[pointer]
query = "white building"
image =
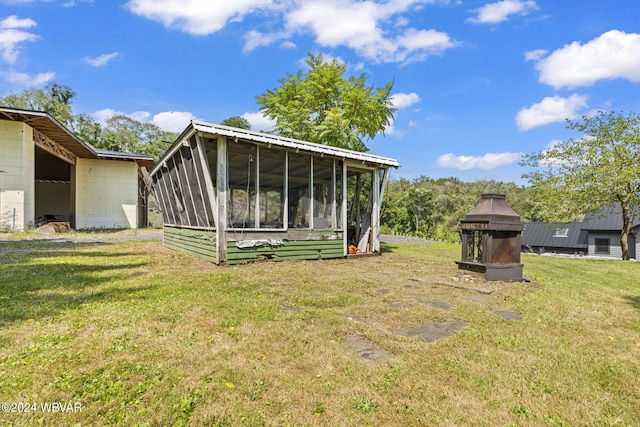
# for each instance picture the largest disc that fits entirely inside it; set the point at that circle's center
(47, 173)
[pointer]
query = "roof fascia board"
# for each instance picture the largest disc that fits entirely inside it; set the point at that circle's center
(292, 143)
(47, 116)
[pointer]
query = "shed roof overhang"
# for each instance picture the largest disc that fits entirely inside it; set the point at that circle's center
(204, 128)
(49, 126)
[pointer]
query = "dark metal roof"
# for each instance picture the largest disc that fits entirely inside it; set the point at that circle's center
(141, 159)
(49, 126)
(552, 235)
(608, 219)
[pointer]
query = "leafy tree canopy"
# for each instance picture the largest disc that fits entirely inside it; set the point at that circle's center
(237, 122)
(589, 173)
(126, 135)
(321, 105)
(54, 99)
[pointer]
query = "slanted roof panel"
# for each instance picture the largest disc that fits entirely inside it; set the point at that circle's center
(608, 219)
(141, 159)
(292, 143)
(541, 234)
(46, 124)
(49, 126)
(279, 141)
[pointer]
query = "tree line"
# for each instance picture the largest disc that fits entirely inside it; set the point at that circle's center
(433, 208)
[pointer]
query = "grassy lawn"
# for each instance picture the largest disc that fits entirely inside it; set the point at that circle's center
(140, 335)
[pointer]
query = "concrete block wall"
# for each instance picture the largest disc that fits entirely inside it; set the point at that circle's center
(17, 185)
(106, 194)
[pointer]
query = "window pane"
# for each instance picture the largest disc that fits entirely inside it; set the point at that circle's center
(299, 177)
(602, 246)
(271, 187)
(322, 193)
(242, 184)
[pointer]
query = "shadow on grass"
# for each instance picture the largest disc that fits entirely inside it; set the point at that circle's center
(633, 300)
(43, 280)
(386, 248)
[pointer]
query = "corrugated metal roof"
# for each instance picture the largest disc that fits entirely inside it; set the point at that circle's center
(608, 219)
(49, 126)
(297, 144)
(141, 159)
(46, 124)
(553, 235)
(237, 134)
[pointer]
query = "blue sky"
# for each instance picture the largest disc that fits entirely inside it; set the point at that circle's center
(477, 83)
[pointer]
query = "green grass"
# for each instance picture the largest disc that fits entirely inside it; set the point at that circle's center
(141, 335)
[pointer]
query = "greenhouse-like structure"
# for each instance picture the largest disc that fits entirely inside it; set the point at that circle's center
(233, 196)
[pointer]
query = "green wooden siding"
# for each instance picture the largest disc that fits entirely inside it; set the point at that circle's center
(199, 243)
(289, 250)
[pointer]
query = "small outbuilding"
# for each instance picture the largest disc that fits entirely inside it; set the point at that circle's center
(48, 174)
(233, 196)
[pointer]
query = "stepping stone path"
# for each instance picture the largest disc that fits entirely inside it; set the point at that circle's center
(368, 350)
(508, 315)
(434, 303)
(433, 331)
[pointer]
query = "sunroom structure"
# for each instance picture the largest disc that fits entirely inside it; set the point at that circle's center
(234, 196)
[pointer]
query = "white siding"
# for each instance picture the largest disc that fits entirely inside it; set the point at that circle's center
(106, 194)
(17, 185)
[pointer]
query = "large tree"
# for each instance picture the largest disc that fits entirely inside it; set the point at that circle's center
(321, 105)
(597, 170)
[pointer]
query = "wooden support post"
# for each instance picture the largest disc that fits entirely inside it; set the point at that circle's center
(222, 182)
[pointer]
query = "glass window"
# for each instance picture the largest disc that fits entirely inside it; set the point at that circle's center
(299, 183)
(561, 232)
(242, 184)
(602, 246)
(271, 186)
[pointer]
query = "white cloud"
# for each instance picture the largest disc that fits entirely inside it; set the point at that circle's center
(404, 100)
(535, 55)
(376, 31)
(101, 60)
(487, 161)
(101, 116)
(550, 110)
(198, 17)
(259, 122)
(12, 35)
(493, 13)
(359, 26)
(24, 79)
(613, 55)
(173, 121)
